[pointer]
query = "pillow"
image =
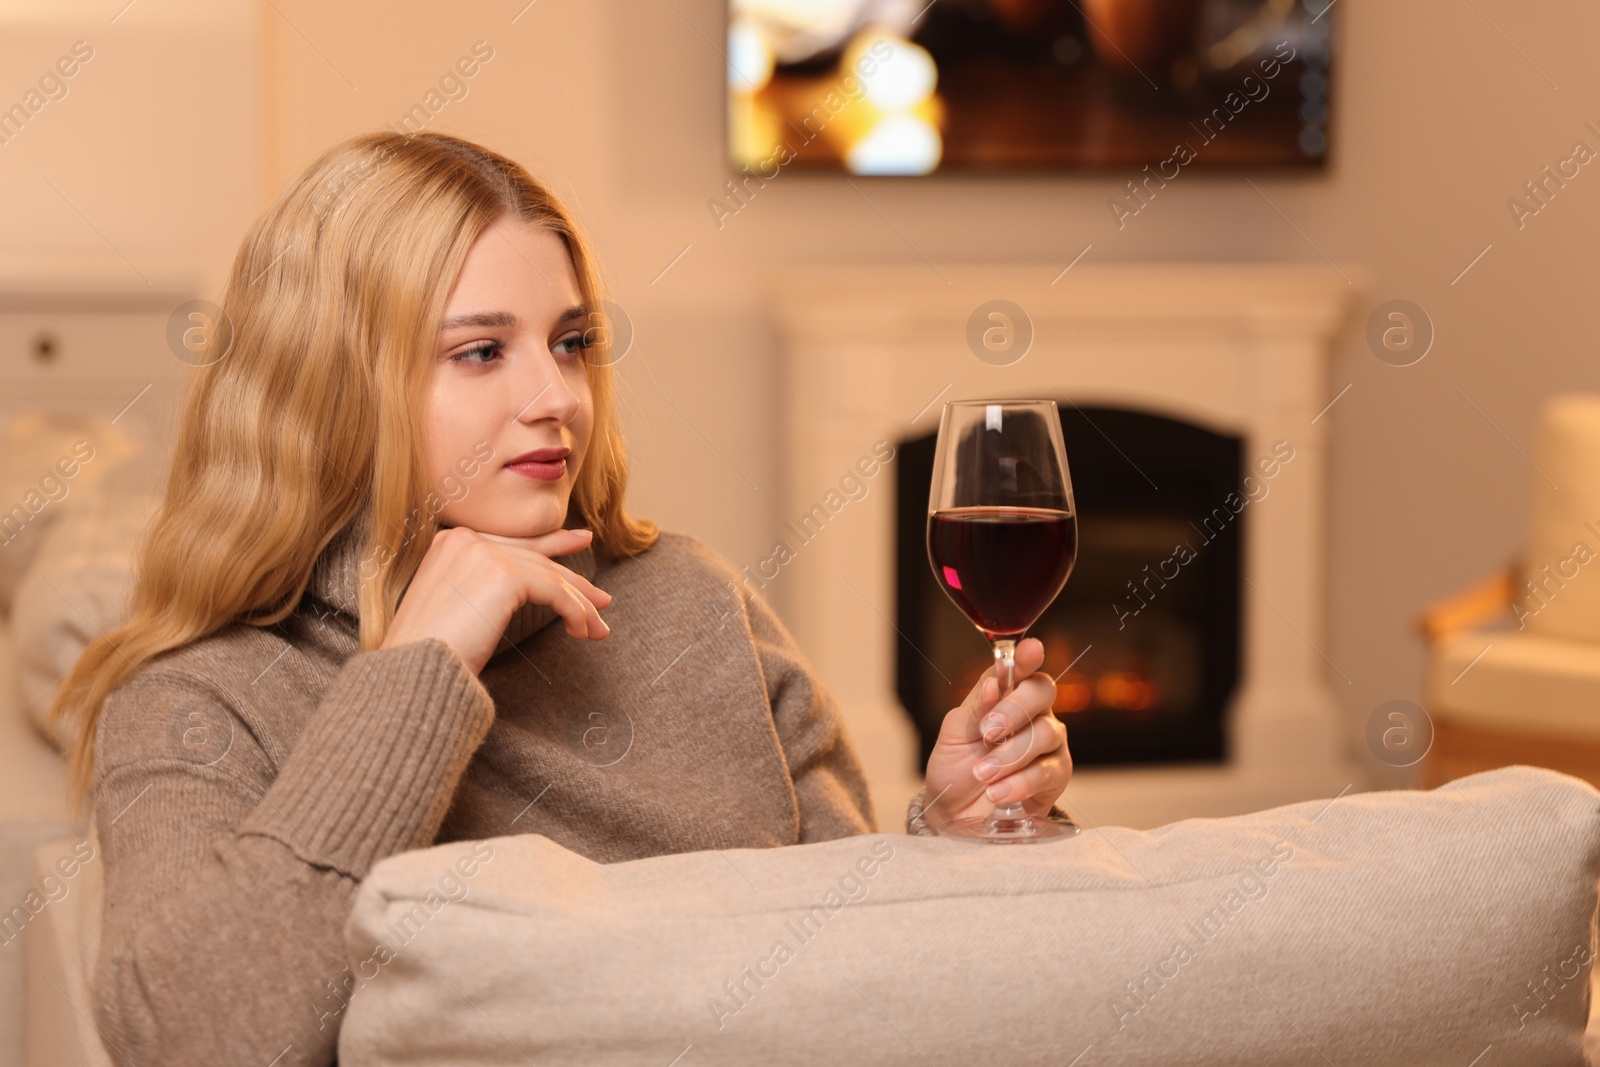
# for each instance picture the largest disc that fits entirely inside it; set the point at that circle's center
(78, 582)
(1400, 928)
(47, 458)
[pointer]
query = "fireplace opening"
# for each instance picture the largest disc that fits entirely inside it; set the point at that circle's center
(1149, 621)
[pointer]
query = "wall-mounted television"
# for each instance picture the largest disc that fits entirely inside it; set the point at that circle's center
(912, 87)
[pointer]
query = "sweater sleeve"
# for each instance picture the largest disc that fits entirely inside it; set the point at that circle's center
(227, 885)
(828, 783)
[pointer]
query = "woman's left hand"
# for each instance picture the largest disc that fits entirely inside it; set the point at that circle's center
(995, 751)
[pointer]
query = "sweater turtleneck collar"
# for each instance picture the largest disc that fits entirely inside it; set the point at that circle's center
(335, 574)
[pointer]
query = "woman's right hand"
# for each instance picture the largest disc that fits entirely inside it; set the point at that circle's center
(469, 584)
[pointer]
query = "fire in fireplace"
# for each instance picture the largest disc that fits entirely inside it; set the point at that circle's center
(1146, 636)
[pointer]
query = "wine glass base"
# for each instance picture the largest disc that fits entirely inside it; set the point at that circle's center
(1026, 830)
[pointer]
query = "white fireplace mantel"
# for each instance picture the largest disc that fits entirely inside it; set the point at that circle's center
(872, 351)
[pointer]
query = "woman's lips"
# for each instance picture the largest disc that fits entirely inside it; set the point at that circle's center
(544, 464)
(544, 472)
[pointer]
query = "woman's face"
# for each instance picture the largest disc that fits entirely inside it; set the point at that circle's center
(509, 376)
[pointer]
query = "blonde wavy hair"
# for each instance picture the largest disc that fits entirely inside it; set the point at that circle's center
(309, 419)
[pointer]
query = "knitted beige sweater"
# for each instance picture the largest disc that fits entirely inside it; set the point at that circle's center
(247, 782)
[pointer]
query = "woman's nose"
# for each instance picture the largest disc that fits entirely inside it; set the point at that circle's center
(550, 397)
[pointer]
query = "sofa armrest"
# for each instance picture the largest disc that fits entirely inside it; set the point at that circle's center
(33, 811)
(64, 938)
(1468, 608)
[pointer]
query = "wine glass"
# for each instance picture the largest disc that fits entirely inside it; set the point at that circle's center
(1002, 539)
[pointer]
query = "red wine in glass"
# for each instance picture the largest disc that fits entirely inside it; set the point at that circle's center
(1002, 566)
(1002, 540)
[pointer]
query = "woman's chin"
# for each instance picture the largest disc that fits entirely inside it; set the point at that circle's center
(514, 522)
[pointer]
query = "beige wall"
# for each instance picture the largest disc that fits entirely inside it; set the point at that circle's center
(148, 164)
(1438, 120)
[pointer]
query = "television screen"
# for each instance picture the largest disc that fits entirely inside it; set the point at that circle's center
(915, 87)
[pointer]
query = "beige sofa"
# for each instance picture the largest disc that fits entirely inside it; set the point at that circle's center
(33, 813)
(62, 576)
(1398, 929)
(1374, 905)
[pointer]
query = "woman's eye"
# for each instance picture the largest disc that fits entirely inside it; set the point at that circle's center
(572, 345)
(479, 355)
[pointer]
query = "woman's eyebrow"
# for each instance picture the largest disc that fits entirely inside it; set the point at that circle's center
(479, 318)
(502, 318)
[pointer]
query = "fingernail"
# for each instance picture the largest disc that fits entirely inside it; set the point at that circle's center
(585, 533)
(993, 725)
(997, 793)
(986, 769)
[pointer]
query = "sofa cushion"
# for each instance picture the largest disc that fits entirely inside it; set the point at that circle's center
(1564, 538)
(1524, 683)
(1406, 928)
(47, 459)
(80, 578)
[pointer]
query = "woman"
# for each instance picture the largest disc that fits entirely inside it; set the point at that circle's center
(340, 642)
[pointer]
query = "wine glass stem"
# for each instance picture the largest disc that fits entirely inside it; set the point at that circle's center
(1005, 662)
